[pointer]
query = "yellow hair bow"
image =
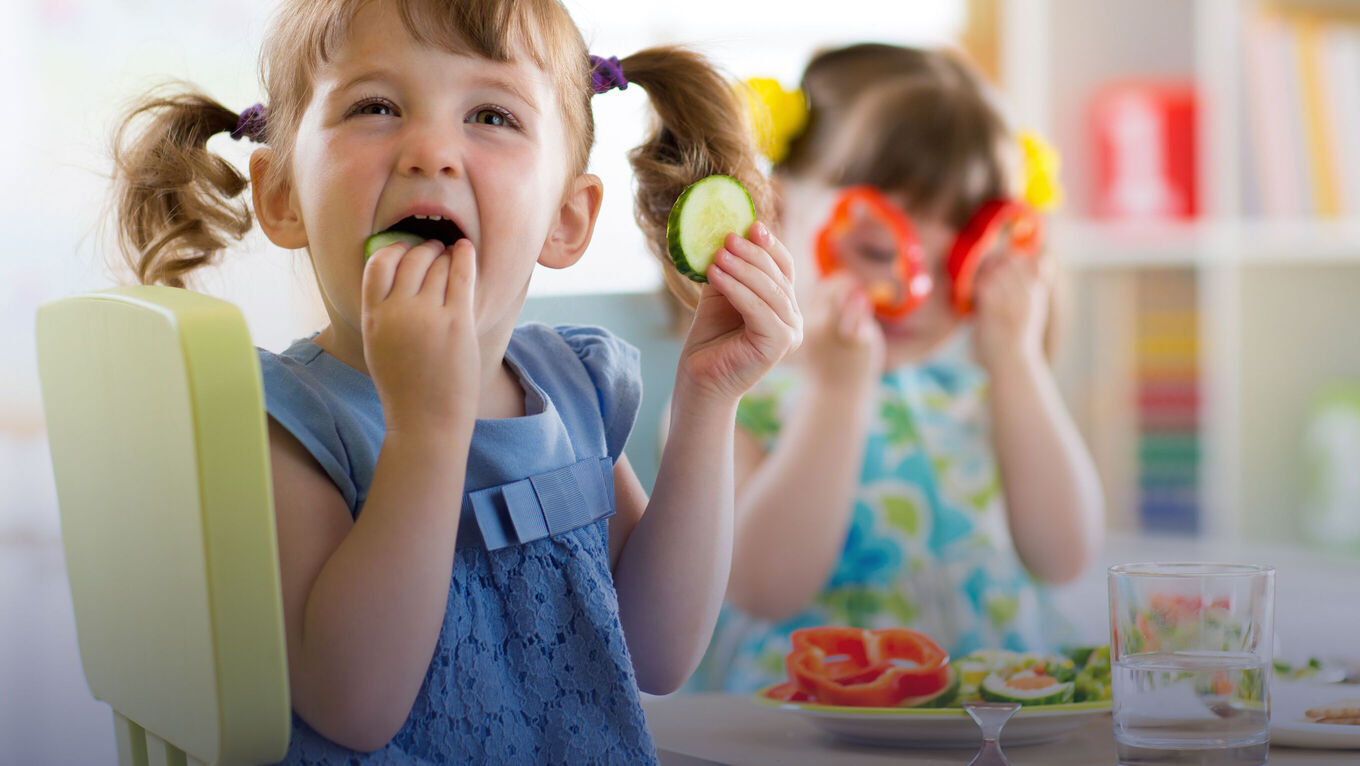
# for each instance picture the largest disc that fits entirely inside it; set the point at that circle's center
(778, 115)
(1043, 189)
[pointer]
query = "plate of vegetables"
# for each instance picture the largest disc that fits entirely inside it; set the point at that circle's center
(895, 686)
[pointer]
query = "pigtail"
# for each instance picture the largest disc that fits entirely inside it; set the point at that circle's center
(175, 202)
(701, 129)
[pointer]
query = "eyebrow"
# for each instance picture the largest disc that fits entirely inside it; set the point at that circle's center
(481, 81)
(507, 85)
(368, 75)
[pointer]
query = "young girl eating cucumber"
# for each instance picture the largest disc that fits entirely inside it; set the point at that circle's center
(471, 571)
(913, 466)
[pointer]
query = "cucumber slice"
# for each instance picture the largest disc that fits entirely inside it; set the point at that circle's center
(384, 238)
(701, 219)
(1027, 689)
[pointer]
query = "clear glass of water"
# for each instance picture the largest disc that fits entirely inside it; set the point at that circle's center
(1191, 650)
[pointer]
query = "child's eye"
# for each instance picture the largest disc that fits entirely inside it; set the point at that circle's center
(374, 106)
(879, 254)
(492, 115)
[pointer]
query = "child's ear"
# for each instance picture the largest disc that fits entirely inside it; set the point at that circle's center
(575, 223)
(275, 205)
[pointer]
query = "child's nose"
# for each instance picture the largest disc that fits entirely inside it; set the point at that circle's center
(430, 150)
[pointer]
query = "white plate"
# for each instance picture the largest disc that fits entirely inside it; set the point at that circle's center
(1290, 727)
(939, 727)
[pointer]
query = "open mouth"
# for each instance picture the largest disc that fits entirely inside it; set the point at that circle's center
(428, 227)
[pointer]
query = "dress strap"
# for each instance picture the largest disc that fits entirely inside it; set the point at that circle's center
(541, 505)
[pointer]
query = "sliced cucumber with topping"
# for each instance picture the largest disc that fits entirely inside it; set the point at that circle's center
(1027, 688)
(384, 238)
(705, 213)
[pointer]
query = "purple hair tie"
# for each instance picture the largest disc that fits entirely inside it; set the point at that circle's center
(251, 124)
(606, 74)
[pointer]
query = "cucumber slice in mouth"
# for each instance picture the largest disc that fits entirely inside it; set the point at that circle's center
(705, 213)
(384, 238)
(413, 231)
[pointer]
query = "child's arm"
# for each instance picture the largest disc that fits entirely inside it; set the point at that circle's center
(364, 600)
(672, 572)
(793, 506)
(1053, 495)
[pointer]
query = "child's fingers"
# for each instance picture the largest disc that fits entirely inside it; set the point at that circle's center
(756, 256)
(437, 278)
(462, 274)
(993, 272)
(760, 235)
(854, 312)
(1008, 281)
(413, 267)
(1047, 268)
(758, 315)
(776, 319)
(832, 292)
(777, 296)
(380, 270)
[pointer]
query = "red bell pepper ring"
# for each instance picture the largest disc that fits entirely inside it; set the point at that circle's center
(860, 668)
(787, 692)
(979, 236)
(852, 205)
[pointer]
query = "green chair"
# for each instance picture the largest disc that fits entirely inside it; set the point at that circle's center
(157, 428)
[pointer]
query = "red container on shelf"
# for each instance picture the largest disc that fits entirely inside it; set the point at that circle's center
(1144, 135)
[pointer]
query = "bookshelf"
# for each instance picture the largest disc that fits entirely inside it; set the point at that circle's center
(1263, 285)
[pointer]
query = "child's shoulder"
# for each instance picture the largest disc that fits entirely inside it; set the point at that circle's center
(571, 362)
(305, 370)
(585, 340)
(604, 354)
(300, 354)
(332, 409)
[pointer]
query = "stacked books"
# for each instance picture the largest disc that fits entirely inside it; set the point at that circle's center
(1168, 402)
(1301, 98)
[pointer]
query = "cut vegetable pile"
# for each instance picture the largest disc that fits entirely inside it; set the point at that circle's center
(896, 667)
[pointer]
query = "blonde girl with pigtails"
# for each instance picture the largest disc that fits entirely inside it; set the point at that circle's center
(471, 571)
(913, 464)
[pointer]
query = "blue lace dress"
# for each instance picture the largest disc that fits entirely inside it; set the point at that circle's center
(531, 664)
(928, 546)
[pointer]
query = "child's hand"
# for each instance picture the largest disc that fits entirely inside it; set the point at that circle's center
(747, 319)
(1011, 302)
(844, 342)
(420, 337)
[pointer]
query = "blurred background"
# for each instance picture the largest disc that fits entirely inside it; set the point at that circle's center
(1210, 238)
(1211, 230)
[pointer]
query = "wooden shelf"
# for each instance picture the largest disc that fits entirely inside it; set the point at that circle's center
(1294, 241)
(1130, 245)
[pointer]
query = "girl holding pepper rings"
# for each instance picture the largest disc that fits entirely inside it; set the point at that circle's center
(913, 465)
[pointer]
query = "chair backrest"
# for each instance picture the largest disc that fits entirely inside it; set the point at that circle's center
(157, 428)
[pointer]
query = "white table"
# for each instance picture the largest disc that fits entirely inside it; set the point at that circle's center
(1317, 613)
(699, 729)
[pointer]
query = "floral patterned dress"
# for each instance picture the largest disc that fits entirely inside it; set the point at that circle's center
(928, 545)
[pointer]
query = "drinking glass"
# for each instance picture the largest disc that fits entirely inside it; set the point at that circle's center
(1191, 650)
